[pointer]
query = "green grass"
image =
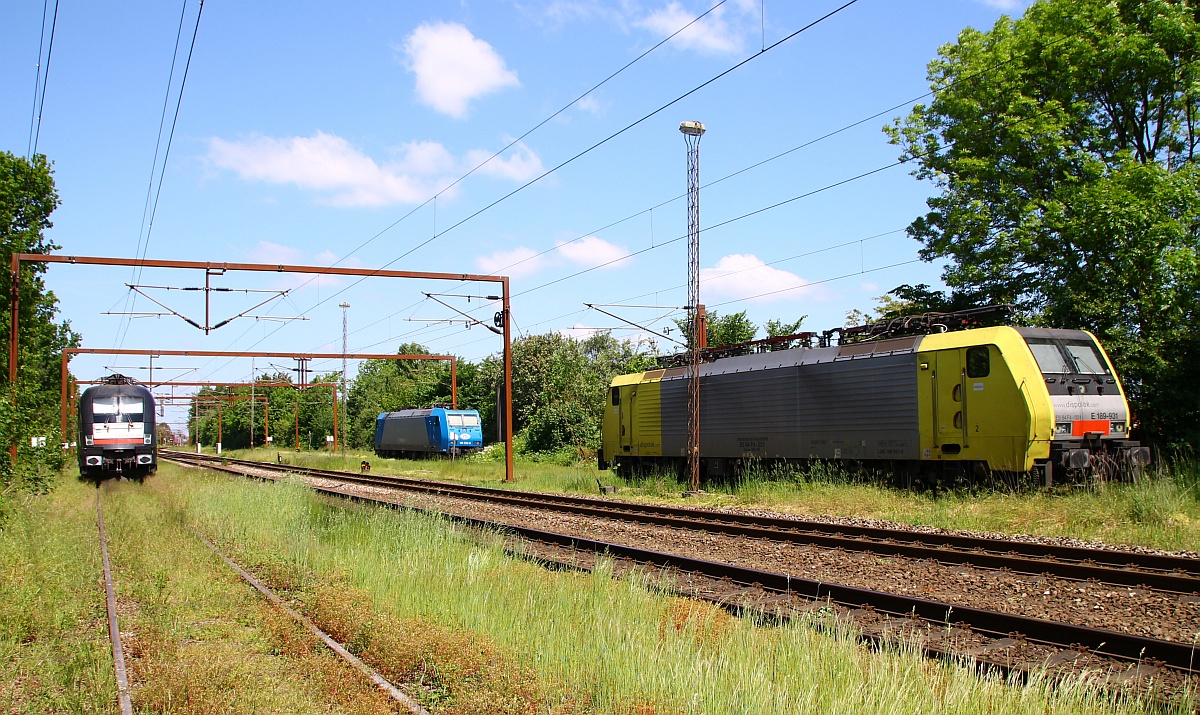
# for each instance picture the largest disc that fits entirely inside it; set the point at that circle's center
(1161, 511)
(464, 626)
(597, 644)
(54, 651)
(197, 639)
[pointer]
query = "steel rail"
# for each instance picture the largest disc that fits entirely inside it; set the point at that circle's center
(1163, 573)
(114, 632)
(1113, 644)
(383, 683)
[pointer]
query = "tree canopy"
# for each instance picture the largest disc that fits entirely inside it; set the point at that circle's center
(1063, 147)
(27, 198)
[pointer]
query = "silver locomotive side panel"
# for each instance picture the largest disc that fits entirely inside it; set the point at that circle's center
(801, 404)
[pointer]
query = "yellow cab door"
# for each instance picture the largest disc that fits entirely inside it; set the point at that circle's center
(949, 402)
(626, 418)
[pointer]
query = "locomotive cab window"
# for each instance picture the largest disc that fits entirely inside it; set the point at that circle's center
(1086, 357)
(454, 420)
(616, 396)
(979, 362)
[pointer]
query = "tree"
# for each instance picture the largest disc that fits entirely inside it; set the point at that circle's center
(390, 385)
(560, 385)
(1064, 150)
(778, 329)
(722, 330)
(27, 198)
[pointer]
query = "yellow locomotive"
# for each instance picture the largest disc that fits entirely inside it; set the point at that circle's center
(940, 403)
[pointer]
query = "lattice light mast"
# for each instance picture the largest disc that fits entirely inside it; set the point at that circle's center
(345, 324)
(692, 131)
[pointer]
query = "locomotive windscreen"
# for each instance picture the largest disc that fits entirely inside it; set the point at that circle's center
(1060, 357)
(117, 408)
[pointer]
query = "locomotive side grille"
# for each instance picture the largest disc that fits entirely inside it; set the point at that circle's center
(860, 408)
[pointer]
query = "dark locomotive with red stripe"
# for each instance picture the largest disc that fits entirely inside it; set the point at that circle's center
(117, 430)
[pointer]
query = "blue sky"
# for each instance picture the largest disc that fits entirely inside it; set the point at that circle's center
(309, 131)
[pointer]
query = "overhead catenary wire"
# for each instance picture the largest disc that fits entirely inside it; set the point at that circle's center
(433, 199)
(42, 80)
(743, 170)
(660, 290)
(876, 115)
(862, 175)
(149, 226)
(581, 154)
(660, 204)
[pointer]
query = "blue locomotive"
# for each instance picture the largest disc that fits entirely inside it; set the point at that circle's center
(117, 430)
(425, 432)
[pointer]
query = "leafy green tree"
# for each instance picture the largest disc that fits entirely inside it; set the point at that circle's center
(722, 330)
(287, 406)
(560, 384)
(777, 328)
(389, 385)
(27, 198)
(1063, 148)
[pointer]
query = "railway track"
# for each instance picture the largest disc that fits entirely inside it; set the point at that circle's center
(1124, 568)
(124, 691)
(124, 700)
(993, 639)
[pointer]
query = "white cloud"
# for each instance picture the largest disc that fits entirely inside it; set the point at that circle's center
(329, 164)
(268, 252)
(589, 104)
(345, 176)
(592, 251)
(516, 263)
(744, 275)
(278, 253)
(454, 67)
(522, 164)
(869, 287)
(712, 35)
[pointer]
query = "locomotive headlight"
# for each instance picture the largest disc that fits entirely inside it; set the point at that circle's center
(1118, 427)
(87, 441)
(147, 439)
(1062, 428)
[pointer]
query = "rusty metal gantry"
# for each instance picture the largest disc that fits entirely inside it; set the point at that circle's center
(208, 400)
(206, 266)
(67, 352)
(73, 384)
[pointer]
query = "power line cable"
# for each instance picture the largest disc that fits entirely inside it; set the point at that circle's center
(131, 295)
(167, 153)
(37, 79)
(618, 133)
(519, 139)
(45, 78)
(591, 148)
